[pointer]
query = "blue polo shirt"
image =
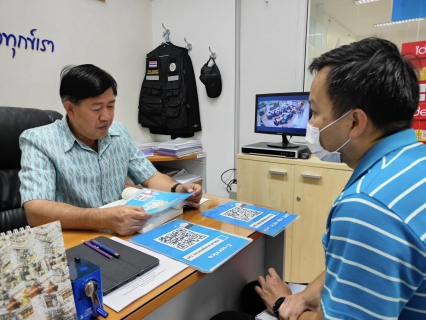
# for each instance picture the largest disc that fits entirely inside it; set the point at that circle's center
(375, 240)
(58, 167)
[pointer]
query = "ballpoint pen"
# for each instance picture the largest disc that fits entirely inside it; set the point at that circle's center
(107, 255)
(105, 248)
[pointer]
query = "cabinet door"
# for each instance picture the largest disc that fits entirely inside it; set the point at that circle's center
(265, 183)
(315, 190)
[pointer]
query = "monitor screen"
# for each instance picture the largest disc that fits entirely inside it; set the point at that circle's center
(282, 113)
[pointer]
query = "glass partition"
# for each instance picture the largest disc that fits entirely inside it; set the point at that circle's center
(333, 23)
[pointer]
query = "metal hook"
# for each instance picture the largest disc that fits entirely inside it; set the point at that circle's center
(213, 54)
(189, 46)
(166, 33)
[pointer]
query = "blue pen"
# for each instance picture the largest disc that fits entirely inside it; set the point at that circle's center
(105, 248)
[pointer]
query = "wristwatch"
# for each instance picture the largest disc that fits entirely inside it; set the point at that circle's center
(175, 186)
(277, 305)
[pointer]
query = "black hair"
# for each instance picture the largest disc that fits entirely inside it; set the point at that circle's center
(84, 81)
(373, 76)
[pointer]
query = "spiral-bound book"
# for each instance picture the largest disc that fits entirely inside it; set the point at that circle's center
(34, 275)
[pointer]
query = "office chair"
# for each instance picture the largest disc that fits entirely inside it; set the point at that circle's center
(13, 121)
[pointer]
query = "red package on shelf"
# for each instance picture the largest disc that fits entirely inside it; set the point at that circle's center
(416, 53)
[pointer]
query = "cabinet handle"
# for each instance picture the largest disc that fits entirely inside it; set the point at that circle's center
(311, 176)
(283, 173)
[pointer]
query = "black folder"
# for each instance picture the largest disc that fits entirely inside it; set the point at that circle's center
(116, 272)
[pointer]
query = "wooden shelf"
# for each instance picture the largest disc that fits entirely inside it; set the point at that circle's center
(161, 158)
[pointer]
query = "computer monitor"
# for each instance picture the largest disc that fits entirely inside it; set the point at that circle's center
(283, 114)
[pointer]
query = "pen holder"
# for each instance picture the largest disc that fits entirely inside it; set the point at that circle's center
(87, 288)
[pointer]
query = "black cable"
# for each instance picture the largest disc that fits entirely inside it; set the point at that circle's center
(229, 184)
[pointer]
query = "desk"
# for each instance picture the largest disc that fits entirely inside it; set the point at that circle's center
(160, 296)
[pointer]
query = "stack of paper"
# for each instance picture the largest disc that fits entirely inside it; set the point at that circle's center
(166, 170)
(146, 148)
(180, 147)
(122, 297)
(184, 176)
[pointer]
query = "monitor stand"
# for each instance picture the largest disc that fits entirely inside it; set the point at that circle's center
(285, 144)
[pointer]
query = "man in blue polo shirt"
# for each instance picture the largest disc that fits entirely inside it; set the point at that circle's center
(77, 164)
(363, 99)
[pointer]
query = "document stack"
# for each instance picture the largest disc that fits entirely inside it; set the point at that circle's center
(146, 148)
(180, 147)
(184, 176)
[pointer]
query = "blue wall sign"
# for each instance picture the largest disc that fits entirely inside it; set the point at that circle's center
(408, 9)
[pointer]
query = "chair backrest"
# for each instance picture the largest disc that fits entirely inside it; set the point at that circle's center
(13, 121)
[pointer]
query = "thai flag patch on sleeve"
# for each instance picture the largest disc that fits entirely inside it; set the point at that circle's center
(153, 64)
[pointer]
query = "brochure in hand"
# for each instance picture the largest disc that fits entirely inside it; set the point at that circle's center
(163, 206)
(202, 248)
(154, 201)
(263, 220)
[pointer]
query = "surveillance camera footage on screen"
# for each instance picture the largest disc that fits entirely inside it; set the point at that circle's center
(282, 113)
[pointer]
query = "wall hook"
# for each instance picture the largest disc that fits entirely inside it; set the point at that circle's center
(166, 33)
(189, 46)
(213, 54)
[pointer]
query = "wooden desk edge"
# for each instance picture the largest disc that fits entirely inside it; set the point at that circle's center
(172, 287)
(165, 296)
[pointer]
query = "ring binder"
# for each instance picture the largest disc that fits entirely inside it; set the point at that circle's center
(34, 274)
(2, 234)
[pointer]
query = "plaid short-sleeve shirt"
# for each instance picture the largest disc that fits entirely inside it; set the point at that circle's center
(58, 167)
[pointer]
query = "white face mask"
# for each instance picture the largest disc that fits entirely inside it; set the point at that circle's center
(314, 144)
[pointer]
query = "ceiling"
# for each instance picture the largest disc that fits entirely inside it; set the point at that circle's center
(359, 20)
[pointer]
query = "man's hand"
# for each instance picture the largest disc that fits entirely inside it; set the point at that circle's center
(271, 288)
(309, 299)
(194, 199)
(294, 305)
(125, 220)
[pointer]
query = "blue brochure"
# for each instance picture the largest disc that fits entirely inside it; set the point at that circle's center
(202, 248)
(263, 220)
(153, 201)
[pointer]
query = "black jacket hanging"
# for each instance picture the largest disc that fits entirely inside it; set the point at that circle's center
(168, 102)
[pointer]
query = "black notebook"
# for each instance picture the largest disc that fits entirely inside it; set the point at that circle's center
(115, 272)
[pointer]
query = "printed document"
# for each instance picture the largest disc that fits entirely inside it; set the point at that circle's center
(122, 297)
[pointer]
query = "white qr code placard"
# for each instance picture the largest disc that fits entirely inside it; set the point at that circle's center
(241, 213)
(181, 238)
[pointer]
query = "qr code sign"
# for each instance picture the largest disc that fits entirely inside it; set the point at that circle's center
(242, 214)
(181, 238)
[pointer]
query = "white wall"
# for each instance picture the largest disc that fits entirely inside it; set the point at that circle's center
(206, 23)
(272, 56)
(114, 35)
(271, 59)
